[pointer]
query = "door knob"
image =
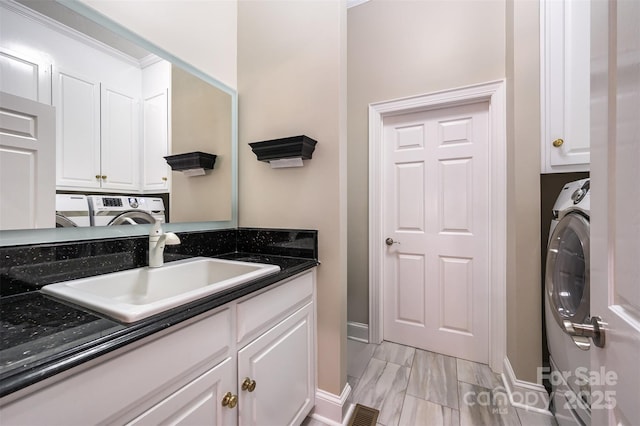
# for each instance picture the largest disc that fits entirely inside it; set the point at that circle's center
(594, 330)
(389, 241)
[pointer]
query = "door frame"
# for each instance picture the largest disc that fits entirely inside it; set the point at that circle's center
(494, 93)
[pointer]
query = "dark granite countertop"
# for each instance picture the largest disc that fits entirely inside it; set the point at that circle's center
(41, 336)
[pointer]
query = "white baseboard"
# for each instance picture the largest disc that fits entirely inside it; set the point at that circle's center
(522, 394)
(332, 409)
(358, 331)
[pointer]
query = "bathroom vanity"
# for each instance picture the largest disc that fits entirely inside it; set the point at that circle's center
(243, 356)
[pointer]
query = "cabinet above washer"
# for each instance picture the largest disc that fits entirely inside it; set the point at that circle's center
(565, 85)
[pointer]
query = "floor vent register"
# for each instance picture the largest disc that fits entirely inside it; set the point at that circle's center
(364, 416)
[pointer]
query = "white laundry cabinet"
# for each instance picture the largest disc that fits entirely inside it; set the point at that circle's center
(565, 85)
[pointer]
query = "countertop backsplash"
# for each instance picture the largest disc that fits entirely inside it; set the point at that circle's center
(29, 267)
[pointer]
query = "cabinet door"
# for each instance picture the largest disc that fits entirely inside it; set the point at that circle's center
(77, 102)
(119, 146)
(198, 403)
(156, 170)
(282, 363)
(565, 86)
(25, 77)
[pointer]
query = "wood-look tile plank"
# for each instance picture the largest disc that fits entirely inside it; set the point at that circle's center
(382, 386)
(416, 411)
(395, 353)
(477, 374)
(434, 378)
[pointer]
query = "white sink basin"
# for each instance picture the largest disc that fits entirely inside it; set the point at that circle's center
(135, 294)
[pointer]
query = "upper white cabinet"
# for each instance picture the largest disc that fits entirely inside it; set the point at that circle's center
(565, 85)
(97, 134)
(77, 102)
(156, 83)
(119, 142)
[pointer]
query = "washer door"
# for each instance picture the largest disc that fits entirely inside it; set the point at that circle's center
(567, 274)
(63, 222)
(134, 217)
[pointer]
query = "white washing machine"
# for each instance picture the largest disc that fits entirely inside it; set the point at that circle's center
(567, 300)
(72, 210)
(110, 210)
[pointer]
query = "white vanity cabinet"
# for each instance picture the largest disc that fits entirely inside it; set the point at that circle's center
(193, 373)
(276, 341)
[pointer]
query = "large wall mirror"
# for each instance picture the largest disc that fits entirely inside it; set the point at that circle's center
(200, 115)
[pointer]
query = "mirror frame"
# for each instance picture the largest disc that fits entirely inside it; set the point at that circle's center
(51, 235)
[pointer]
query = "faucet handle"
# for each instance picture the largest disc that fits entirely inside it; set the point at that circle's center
(171, 239)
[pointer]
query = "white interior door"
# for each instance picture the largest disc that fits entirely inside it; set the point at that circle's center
(615, 210)
(27, 164)
(436, 203)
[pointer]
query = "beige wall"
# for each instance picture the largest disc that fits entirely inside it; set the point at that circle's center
(202, 33)
(200, 121)
(291, 72)
(524, 309)
(404, 48)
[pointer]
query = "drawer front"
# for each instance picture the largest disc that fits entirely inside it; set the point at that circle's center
(260, 312)
(118, 387)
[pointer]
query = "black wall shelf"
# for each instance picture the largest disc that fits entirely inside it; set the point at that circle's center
(292, 147)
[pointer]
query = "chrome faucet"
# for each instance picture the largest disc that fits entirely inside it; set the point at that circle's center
(157, 240)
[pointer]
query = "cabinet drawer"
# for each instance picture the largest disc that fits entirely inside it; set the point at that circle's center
(118, 387)
(264, 310)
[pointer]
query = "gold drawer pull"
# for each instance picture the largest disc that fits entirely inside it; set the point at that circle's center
(558, 143)
(230, 400)
(248, 384)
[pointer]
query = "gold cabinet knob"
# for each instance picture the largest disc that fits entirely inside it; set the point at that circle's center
(558, 143)
(164, 178)
(98, 176)
(104, 177)
(229, 400)
(248, 384)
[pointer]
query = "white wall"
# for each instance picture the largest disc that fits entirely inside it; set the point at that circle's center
(202, 33)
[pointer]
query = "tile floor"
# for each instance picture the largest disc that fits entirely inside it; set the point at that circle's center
(412, 387)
